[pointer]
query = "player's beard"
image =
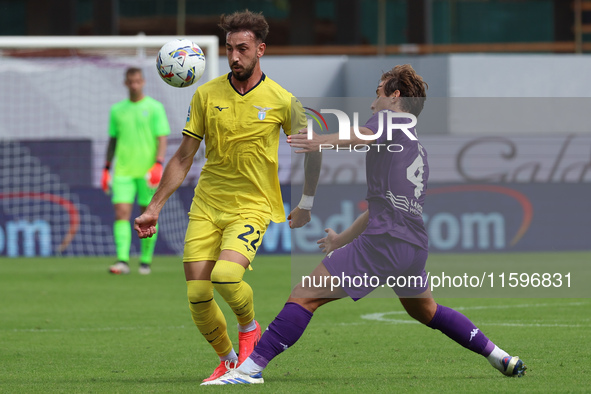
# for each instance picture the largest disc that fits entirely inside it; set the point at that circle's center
(246, 71)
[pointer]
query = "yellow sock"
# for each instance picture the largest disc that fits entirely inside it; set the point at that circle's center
(227, 280)
(208, 316)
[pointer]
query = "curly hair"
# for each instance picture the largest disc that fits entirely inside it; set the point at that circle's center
(245, 20)
(410, 84)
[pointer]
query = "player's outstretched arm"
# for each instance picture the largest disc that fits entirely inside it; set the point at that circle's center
(334, 241)
(320, 142)
(302, 213)
(174, 174)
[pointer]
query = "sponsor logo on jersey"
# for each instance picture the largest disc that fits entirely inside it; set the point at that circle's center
(403, 203)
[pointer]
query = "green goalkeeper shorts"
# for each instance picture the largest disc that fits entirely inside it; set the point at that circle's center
(124, 189)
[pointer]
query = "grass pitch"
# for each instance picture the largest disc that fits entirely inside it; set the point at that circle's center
(66, 325)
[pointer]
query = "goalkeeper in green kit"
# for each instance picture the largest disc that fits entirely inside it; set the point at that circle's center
(138, 128)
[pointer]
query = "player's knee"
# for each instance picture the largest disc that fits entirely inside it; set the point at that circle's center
(225, 269)
(199, 291)
(226, 277)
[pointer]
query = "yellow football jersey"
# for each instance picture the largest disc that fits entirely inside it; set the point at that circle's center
(241, 134)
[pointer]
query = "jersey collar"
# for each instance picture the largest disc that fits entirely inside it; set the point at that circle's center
(251, 89)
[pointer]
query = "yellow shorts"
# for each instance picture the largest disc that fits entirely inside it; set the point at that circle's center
(210, 231)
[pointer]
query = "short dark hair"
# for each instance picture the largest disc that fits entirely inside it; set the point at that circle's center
(245, 20)
(410, 84)
(133, 70)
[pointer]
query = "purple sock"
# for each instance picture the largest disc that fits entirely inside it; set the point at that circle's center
(283, 332)
(459, 328)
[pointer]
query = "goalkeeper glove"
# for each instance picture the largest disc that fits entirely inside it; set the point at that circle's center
(106, 181)
(155, 174)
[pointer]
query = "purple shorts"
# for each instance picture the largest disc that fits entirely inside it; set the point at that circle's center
(372, 261)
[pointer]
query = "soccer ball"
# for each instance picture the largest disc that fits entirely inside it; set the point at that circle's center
(180, 63)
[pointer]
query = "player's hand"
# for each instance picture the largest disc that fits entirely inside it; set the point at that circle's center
(299, 217)
(106, 181)
(330, 242)
(302, 142)
(145, 225)
(154, 175)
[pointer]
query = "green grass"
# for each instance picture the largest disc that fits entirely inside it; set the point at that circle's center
(68, 326)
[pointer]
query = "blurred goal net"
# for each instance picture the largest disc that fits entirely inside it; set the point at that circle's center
(54, 110)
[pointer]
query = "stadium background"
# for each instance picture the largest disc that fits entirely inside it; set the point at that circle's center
(511, 182)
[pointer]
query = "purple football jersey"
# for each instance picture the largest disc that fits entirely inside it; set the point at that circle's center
(396, 183)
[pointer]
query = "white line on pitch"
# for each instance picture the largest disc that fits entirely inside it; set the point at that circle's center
(382, 316)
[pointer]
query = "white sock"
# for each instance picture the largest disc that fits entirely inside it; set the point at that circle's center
(249, 367)
(495, 358)
(247, 328)
(230, 356)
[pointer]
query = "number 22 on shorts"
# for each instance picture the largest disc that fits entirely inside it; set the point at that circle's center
(254, 239)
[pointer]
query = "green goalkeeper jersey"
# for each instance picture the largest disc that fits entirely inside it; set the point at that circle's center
(137, 125)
